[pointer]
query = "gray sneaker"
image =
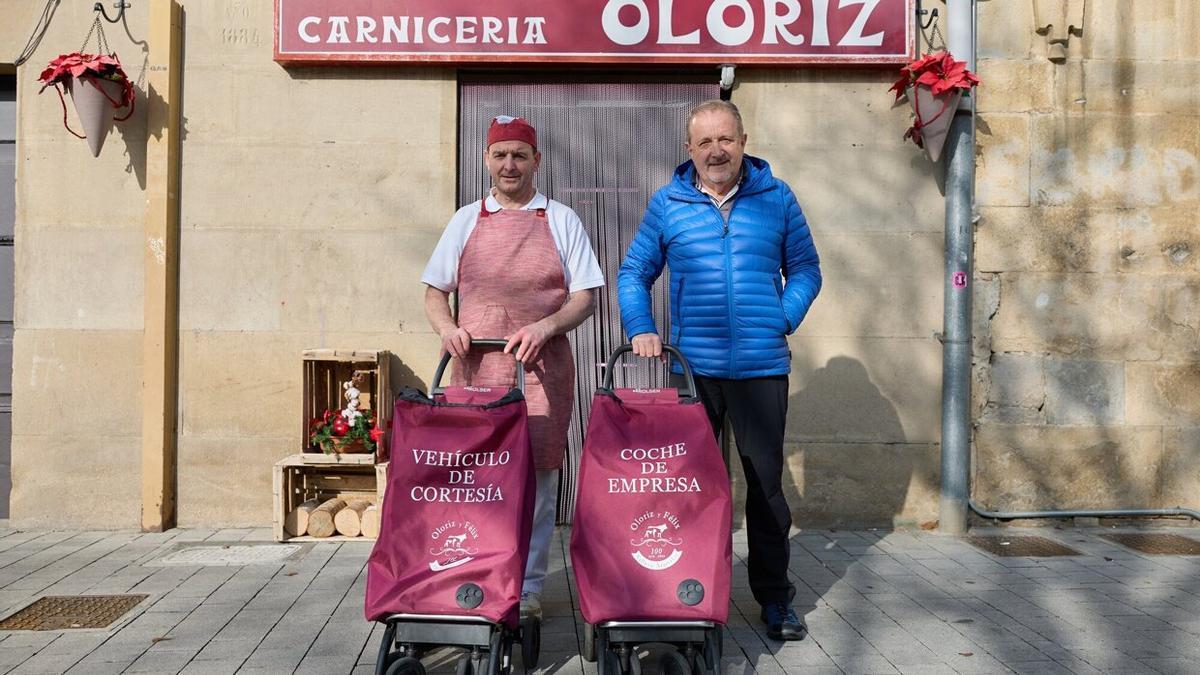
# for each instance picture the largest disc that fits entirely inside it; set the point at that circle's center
(531, 605)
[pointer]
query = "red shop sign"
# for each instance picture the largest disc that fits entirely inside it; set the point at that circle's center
(779, 32)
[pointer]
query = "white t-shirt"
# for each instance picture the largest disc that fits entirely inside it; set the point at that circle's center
(581, 270)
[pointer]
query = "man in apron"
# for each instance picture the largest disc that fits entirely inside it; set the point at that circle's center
(524, 270)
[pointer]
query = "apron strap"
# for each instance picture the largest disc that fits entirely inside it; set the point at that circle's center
(484, 213)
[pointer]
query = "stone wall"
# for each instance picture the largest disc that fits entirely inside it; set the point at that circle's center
(1088, 253)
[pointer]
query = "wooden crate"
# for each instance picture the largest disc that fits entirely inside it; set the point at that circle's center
(325, 370)
(295, 481)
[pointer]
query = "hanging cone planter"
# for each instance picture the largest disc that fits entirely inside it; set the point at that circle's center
(932, 117)
(99, 88)
(96, 101)
(933, 84)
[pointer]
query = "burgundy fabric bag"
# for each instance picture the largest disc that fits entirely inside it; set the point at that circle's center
(454, 532)
(651, 533)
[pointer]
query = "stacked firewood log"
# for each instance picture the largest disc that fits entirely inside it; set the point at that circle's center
(351, 517)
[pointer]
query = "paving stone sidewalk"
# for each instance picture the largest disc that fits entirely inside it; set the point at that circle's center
(875, 602)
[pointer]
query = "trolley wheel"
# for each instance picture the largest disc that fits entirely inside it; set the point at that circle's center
(531, 643)
(406, 666)
(674, 663)
(589, 643)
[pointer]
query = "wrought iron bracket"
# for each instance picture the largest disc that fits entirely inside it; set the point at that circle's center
(120, 7)
(933, 15)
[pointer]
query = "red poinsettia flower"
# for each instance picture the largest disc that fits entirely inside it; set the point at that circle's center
(938, 71)
(377, 435)
(78, 64)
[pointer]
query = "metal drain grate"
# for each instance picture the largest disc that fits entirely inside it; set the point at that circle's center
(1156, 544)
(231, 554)
(60, 612)
(1031, 547)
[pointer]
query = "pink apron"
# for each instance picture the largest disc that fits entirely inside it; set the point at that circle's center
(510, 275)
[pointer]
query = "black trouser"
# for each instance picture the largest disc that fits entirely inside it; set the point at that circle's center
(757, 409)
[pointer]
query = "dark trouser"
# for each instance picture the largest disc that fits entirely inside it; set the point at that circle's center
(757, 410)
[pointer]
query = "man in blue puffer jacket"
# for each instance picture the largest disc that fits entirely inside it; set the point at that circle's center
(744, 272)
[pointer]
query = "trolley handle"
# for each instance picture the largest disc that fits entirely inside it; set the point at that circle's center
(691, 390)
(436, 387)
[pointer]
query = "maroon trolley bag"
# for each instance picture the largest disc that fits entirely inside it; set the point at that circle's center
(650, 540)
(454, 531)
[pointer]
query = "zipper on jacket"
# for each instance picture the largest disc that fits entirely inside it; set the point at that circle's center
(729, 288)
(728, 281)
(724, 221)
(679, 312)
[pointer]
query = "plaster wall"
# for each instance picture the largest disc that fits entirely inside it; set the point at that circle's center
(863, 415)
(77, 347)
(312, 198)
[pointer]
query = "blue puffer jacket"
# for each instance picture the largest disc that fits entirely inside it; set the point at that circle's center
(730, 309)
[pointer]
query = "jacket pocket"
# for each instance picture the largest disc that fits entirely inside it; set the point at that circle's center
(787, 325)
(676, 333)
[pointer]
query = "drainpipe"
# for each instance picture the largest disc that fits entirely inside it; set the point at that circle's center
(957, 286)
